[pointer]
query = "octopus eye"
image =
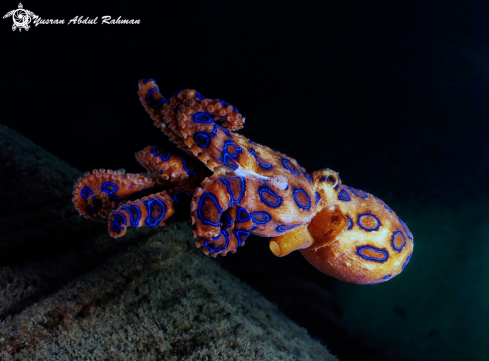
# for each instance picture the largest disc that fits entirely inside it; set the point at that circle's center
(332, 181)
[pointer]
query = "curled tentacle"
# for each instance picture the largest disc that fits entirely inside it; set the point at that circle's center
(235, 228)
(220, 223)
(99, 204)
(189, 103)
(97, 193)
(201, 127)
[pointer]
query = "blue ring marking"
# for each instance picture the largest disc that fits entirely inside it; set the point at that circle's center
(226, 219)
(407, 261)
(151, 208)
(359, 221)
(202, 139)
(360, 249)
(406, 229)
(85, 192)
(299, 203)
(344, 196)
(317, 198)
(199, 96)
(89, 209)
(350, 223)
(322, 179)
(387, 277)
(226, 237)
(153, 151)
(286, 228)
(284, 161)
(268, 191)
(238, 234)
(222, 129)
(243, 187)
(213, 197)
(178, 92)
(231, 195)
(149, 102)
(227, 157)
(145, 81)
(202, 117)
(106, 187)
(134, 214)
(307, 176)
(242, 218)
(336, 187)
(394, 243)
(177, 202)
(359, 194)
(263, 221)
(115, 225)
(228, 186)
(186, 169)
(227, 145)
(253, 153)
(226, 104)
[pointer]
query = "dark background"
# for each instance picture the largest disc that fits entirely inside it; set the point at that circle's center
(393, 95)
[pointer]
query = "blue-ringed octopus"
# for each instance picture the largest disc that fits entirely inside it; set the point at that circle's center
(229, 187)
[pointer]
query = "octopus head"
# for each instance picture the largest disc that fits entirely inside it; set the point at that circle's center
(371, 244)
(354, 236)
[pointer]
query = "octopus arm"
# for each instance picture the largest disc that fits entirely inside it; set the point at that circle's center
(98, 192)
(219, 219)
(174, 169)
(156, 209)
(199, 126)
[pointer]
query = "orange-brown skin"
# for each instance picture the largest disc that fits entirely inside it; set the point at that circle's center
(245, 188)
(373, 231)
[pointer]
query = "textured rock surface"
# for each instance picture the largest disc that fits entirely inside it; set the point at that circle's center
(68, 291)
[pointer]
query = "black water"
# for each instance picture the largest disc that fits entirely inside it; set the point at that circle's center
(393, 95)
